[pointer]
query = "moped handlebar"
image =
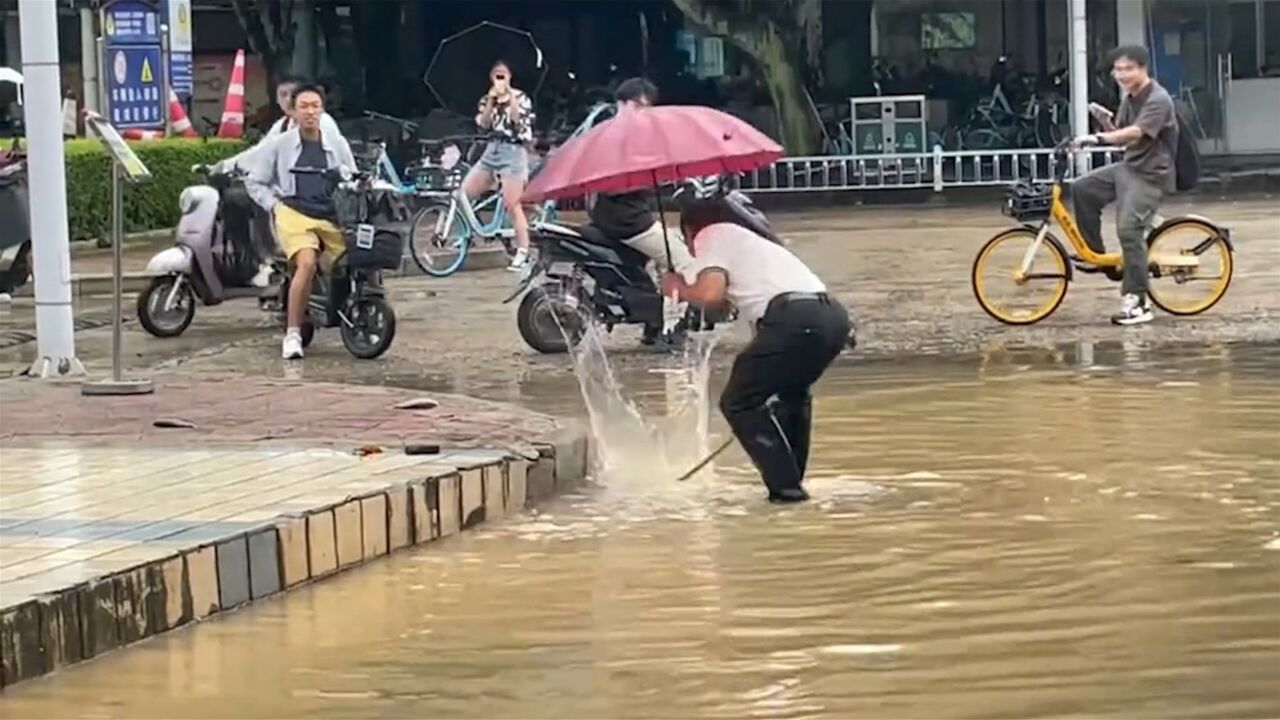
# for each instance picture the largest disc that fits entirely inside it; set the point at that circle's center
(334, 174)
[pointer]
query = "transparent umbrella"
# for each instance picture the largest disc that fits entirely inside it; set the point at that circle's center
(459, 72)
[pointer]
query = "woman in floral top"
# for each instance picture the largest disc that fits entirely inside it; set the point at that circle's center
(507, 115)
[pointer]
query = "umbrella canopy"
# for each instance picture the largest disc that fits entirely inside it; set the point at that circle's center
(458, 75)
(641, 148)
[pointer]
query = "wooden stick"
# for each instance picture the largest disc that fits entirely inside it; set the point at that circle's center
(706, 461)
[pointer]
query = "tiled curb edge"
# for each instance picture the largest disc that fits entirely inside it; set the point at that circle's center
(84, 621)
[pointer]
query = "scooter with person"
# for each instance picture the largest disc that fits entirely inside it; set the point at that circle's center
(15, 242)
(223, 242)
(350, 295)
(586, 275)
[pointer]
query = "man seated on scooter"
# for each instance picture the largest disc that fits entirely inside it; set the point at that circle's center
(301, 204)
(632, 218)
(244, 160)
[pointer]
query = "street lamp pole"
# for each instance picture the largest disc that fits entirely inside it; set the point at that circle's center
(47, 182)
(1079, 78)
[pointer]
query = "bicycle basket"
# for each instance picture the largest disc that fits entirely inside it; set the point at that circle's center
(374, 248)
(433, 178)
(1028, 202)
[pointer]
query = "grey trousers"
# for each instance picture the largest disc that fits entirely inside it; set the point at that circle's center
(1137, 200)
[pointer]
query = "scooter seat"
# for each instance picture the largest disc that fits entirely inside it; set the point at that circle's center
(591, 234)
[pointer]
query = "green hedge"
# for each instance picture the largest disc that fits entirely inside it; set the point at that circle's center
(151, 205)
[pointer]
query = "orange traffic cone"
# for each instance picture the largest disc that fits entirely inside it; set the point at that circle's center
(179, 123)
(232, 125)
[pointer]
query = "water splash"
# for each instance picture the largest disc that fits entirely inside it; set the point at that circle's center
(629, 445)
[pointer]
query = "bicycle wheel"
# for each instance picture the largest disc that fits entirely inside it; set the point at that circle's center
(1191, 266)
(983, 139)
(1007, 295)
(437, 250)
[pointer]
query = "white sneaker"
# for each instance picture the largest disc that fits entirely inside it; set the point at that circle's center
(518, 260)
(263, 278)
(291, 349)
(1134, 310)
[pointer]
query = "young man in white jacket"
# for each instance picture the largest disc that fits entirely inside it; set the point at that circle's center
(244, 160)
(301, 204)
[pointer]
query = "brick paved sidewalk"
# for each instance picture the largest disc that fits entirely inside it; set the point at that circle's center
(113, 529)
(252, 410)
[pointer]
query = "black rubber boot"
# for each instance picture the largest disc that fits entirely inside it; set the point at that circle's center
(785, 497)
(761, 435)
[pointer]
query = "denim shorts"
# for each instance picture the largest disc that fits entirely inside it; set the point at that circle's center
(507, 160)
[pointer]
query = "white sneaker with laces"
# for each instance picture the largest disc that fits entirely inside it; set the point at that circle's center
(518, 260)
(291, 349)
(1134, 310)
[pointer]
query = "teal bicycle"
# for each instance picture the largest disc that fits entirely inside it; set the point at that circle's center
(445, 230)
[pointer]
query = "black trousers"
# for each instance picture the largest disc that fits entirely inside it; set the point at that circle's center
(767, 401)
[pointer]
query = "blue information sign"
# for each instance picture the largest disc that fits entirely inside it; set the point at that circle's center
(131, 22)
(133, 64)
(180, 77)
(135, 94)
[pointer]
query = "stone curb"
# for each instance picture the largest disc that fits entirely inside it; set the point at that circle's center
(90, 284)
(86, 620)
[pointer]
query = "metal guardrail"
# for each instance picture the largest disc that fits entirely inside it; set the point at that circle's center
(937, 170)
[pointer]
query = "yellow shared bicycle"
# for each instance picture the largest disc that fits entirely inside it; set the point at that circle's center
(1020, 276)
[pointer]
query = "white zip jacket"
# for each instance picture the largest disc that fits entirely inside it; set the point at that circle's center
(270, 175)
(244, 160)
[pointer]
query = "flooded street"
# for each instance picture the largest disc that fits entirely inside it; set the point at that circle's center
(1073, 531)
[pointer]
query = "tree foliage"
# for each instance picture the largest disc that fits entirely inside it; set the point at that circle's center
(784, 39)
(269, 25)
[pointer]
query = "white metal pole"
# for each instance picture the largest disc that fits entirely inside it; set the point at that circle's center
(55, 332)
(89, 59)
(1079, 69)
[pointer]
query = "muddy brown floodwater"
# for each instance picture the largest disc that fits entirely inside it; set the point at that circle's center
(1081, 531)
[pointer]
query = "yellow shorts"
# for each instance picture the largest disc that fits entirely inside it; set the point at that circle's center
(298, 232)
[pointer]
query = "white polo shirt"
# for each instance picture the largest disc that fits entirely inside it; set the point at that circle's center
(759, 270)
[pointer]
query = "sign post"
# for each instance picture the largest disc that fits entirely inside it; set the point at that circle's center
(133, 65)
(125, 165)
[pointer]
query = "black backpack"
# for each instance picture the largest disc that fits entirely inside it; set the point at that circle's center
(1186, 155)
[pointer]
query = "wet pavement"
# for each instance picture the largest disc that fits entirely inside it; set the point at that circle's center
(1086, 530)
(1067, 519)
(904, 273)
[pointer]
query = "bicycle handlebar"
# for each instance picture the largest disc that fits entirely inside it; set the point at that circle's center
(449, 139)
(407, 124)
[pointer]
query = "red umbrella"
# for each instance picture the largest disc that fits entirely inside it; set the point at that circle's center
(643, 148)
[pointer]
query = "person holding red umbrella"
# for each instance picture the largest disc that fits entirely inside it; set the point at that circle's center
(799, 330)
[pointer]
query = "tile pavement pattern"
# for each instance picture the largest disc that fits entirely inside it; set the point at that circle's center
(105, 543)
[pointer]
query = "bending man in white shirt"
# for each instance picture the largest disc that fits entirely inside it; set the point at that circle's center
(799, 331)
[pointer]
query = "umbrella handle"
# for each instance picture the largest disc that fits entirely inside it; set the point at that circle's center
(666, 241)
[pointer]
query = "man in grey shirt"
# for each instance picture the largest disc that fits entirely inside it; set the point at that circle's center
(1146, 126)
